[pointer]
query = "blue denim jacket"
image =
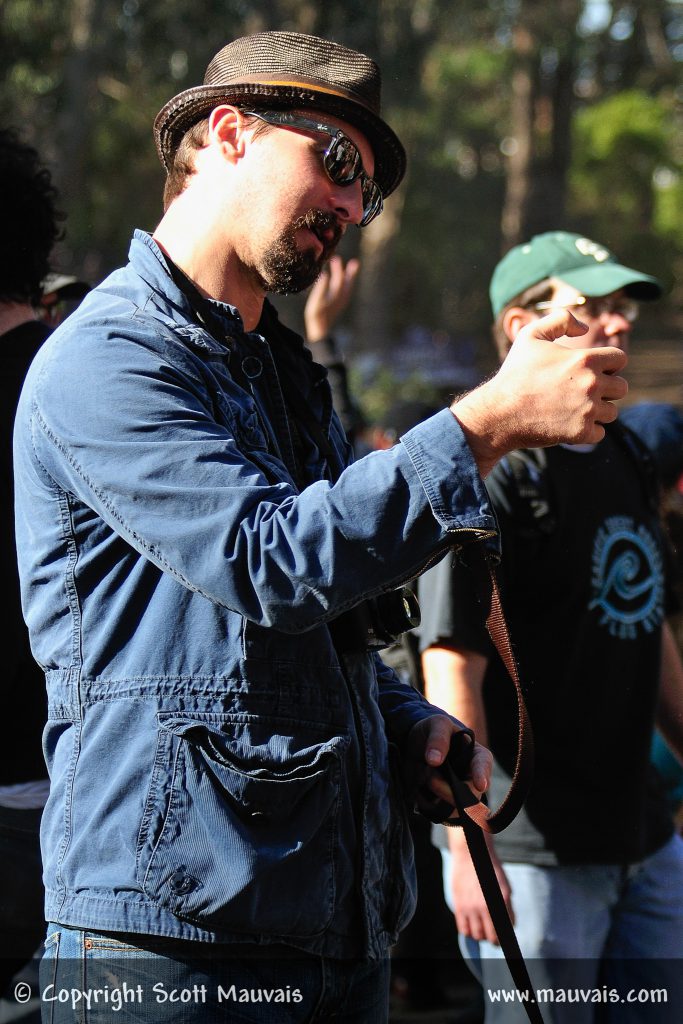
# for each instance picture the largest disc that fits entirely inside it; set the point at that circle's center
(218, 770)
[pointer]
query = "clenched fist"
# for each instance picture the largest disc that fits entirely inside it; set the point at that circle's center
(543, 393)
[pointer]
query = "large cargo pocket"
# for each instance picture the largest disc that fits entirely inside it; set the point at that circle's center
(240, 826)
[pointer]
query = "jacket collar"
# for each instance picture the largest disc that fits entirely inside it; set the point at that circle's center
(149, 262)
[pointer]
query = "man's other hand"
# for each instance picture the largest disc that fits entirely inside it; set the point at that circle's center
(427, 748)
(329, 296)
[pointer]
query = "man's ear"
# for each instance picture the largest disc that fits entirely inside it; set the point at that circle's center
(227, 129)
(514, 319)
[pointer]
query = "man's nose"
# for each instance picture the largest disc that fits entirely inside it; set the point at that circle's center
(348, 202)
(615, 323)
(616, 329)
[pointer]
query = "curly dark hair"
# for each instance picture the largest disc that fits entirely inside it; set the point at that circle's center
(30, 220)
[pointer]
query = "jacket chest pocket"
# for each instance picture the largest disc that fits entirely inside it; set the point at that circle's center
(240, 818)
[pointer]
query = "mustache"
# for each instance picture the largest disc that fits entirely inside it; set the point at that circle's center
(322, 223)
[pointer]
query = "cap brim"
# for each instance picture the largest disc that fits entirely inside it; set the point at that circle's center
(190, 106)
(603, 278)
(69, 287)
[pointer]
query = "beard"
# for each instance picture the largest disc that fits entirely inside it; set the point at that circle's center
(285, 268)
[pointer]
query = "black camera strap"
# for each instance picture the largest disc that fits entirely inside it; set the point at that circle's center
(483, 866)
(474, 817)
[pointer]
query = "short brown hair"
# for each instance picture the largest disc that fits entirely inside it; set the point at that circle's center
(182, 166)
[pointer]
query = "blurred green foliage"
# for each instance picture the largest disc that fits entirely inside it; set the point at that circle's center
(624, 176)
(377, 395)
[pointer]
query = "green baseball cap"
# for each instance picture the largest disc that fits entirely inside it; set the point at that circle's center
(585, 265)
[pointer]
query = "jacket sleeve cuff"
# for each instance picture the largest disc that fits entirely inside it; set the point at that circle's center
(445, 466)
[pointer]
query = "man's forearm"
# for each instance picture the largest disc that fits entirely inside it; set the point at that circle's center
(453, 681)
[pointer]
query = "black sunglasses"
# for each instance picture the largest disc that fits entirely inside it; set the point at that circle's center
(341, 160)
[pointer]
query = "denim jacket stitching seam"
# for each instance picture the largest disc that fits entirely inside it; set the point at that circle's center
(151, 550)
(70, 582)
(68, 809)
(297, 624)
(434, 499)
(171, 776)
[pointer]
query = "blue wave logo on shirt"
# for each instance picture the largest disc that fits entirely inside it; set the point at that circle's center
(628, 578)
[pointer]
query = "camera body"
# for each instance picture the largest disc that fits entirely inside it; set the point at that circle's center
(377, 622)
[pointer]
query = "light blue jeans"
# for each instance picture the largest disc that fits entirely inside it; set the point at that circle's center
(599, 938)
(88, 978)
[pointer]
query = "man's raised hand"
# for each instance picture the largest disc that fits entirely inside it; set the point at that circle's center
(544, 393)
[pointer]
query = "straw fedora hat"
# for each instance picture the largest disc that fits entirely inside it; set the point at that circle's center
(284, 70)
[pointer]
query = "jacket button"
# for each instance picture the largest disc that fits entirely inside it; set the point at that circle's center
(252, 367)
(180, 883)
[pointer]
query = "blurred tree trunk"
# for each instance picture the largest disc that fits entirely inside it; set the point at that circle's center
(651, 25)
(74, 122)
(520, 148)
(375, 292)
(548, 196)
(75, 131)
(641, 57)
(391, 29)
(542, 105)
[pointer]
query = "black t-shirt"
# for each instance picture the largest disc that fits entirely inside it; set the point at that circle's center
(583, 585)
(24, 701)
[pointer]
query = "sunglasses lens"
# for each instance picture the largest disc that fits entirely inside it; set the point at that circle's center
(344, 165)
(342, 161)
(372, 201)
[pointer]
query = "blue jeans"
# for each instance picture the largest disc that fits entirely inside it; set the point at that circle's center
(88, 978)
(600, 932)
